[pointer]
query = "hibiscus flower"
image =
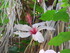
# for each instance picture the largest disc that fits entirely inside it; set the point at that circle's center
(47, 51)
(35, 31)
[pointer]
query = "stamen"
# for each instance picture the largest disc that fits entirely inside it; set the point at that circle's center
(33, 31)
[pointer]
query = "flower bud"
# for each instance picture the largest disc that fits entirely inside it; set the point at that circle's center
(29, 18)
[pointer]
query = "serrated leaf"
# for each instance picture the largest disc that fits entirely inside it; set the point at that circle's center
(63, 16)
(54, 15)
(49, 14)
(65, 51)
(60, 38)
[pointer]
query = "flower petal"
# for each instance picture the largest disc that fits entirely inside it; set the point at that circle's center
(50, 23)
(41, 51)
(45, 27)
(22, 27)
(38, 37)
(50, 51)
(50, 28)
(38, 24)
(22, 34)
(34, 37)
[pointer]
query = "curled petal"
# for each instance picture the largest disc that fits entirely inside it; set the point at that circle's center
(22, 34)
(41, 51)
(45, 27)
(38, 24)
(22, 27)
(38, 37)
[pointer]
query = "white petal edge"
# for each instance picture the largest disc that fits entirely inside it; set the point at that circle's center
(50, 23)
(45, 27)
(22, 27)
(38, 37)
(50, 51)
(38, 24)
(41, 51)
(22, 34)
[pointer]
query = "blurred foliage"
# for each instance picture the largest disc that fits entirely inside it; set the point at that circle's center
(65, 3)
(34, 0)
(3, 16)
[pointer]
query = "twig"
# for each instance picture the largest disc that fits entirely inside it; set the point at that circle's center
(34, 11)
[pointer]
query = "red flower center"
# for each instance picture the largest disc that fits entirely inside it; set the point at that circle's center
(33, 31)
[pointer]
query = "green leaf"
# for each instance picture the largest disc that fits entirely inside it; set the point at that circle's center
(36, 43)
(6, 20)
(38, 8)
(64, 0)
(48, 15)
(22, 22)
(65, 51)
(65, 3)
(0, 21)
(13, 49)
(1, 28)
(60, 38)
(33, 0)
(54, 15)
(25, 41)
(4, 5)
(22, 49)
